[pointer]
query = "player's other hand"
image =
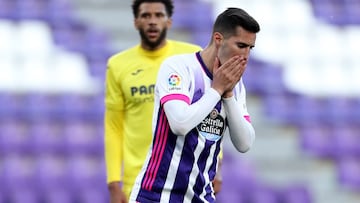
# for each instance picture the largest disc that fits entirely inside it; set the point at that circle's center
(116, 193)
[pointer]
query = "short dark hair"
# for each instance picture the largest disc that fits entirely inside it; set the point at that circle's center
(169, 6)
(231, 18)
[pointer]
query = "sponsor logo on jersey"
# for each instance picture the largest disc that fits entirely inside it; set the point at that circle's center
(137, 72)
(142, 90)
(213, 126)
(174, 82)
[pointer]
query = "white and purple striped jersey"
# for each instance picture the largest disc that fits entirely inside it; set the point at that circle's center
(181, 165)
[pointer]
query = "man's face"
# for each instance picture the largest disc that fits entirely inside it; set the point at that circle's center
(239, 44)
(152, 23)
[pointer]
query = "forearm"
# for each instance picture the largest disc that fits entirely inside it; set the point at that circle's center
(242, 133)
(183, 117)
(113, 145)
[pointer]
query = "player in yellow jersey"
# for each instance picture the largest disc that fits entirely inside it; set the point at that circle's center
(129, 95)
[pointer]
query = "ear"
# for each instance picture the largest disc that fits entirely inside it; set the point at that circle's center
(218, 38)
(136, 23)
(169, 23)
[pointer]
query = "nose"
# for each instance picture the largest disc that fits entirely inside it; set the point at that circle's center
(245, 52)
(152, 19)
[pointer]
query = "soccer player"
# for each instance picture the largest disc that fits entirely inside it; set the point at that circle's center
(199, 99)
(129, 97)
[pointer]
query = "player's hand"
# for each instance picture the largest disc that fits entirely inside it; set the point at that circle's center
(116, 193)
(226, 76)
(217, 182)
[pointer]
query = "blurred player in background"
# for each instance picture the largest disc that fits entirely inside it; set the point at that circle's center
(199, 98)
(129, 95)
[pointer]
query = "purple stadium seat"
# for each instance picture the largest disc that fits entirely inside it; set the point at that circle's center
(41, 107)
(8, 9)
(346, 140)
(348, 172)
(195, 20)
(271, 79)
(263, 194)
(17, 171)
(82, 107)
(317, 140)
(96, 46)
(330, 11)
(70, 34)
(351, 12)
(31, 9)
(239, 178)
(60, 11)
(46, 137)
(296, 194)
(50, 171)
(14, 137)
(10, 106)
(57, 195)
(340, 110)
(307, 110)
(83, 138)
(96, 193)
(23, 195)
(85, 172)
(280, 107)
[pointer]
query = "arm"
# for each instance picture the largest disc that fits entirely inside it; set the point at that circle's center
(113, 138)
(113, 155)
(183, 117)
(242, 133)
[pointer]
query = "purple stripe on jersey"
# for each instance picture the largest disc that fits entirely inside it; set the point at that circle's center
(200, 180)
(185, 167)
(157, 152)
(175, 97)
(153, 181)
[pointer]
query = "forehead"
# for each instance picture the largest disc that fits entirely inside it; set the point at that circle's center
(152, 7)
(242, 35)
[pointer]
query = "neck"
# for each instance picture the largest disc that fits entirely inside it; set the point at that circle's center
(208, 55)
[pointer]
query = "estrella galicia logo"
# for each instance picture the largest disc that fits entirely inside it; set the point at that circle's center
(213, 126)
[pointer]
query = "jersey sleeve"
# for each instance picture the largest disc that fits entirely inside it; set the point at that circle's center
(114, 141)
(113, 126)
(173, 82)
(241, 99)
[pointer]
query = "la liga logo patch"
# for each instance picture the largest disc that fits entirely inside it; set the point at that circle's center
(174, 80)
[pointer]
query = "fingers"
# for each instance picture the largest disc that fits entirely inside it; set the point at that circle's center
(226, 76)
(216, 64)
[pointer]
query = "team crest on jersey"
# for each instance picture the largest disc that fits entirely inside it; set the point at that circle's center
(174, 82)
(213, 126)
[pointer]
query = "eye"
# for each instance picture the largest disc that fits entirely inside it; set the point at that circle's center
(243, 46)
(160, 15)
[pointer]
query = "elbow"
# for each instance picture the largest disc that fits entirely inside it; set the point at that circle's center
(243, 148)
(179, 130)
(244, 145)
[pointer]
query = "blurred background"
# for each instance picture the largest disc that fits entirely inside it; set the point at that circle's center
(302, 83)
